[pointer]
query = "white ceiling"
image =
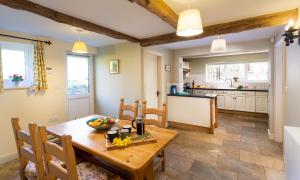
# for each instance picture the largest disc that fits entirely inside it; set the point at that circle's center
(218, 11)
(120, 15)
(28, 23)
(262, 33)
(132, 19)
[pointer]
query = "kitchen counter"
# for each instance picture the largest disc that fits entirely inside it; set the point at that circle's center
(231, 89)
(198, 95)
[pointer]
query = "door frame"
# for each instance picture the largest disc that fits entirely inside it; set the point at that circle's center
(91, 82)
(161, 85)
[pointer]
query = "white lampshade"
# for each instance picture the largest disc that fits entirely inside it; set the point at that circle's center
(79, 47)
(218, 45)
(189, 23)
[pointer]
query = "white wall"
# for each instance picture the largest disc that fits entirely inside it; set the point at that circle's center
(198, 68)
(35, 108)
(109, 88)
(293, 85)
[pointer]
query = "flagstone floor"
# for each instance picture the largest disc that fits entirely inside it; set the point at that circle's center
(239, 150)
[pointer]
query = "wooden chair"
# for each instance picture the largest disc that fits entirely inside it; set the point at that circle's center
(130, 108)
(160, 122)
(30, 157)
(65, 153)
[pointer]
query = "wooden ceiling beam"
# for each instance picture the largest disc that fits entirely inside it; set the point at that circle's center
(29, 6)
(274, 19)
(161, 9)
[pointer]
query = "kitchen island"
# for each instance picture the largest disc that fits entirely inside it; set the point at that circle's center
(193, 111)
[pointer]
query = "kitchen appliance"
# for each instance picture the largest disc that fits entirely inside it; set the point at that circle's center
(173, 89)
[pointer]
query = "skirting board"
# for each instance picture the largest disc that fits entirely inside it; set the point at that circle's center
(8, 157)
(187, 126)
(271, 135)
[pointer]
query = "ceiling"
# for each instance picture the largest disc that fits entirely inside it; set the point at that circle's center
(134, 20)
(218, 11)
(255, 34)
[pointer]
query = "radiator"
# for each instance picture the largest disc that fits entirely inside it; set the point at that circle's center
(292, 152)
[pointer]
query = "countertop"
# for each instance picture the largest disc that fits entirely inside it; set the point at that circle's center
(231, 89)
(198, 95)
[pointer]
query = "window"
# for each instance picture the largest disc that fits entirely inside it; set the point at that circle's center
(17, 59)
(78, 74)
(247, 72)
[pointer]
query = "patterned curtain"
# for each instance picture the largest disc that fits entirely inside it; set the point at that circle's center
(1, 74)
(40, 81)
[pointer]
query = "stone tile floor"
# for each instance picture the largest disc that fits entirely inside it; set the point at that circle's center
(239, 150)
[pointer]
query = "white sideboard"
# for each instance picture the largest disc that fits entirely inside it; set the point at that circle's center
(292, 152)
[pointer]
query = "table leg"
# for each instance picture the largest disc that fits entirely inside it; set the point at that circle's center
(146, 174)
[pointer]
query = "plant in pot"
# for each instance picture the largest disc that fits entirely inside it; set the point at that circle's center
(16, 79)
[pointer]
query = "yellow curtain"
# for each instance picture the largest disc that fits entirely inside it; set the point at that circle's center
(1, 74)
(40, 81)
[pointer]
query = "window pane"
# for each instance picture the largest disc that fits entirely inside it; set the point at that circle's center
(258, 71)
(78, 75)
(13, 62)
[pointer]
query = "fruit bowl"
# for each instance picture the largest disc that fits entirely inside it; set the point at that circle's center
(101, 123)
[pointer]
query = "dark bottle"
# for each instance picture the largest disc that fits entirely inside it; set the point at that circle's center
(193, 84)
(140, 126)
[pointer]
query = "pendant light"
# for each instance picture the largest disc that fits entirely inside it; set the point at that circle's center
(189, 22)
(218, 45)
(79, 46)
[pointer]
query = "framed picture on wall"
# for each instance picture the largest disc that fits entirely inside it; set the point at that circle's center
(114, 67)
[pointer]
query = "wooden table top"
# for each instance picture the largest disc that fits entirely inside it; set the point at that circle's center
(133, 158)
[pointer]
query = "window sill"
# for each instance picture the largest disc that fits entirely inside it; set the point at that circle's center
(16, 88)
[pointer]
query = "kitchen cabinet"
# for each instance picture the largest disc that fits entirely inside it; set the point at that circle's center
(220, 101)
(250, 103)
(229, 102)
(261, 104)
(239, 102)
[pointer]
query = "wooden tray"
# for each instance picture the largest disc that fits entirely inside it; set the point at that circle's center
(149, 139)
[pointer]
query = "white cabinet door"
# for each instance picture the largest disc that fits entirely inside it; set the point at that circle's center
(250, 103)
(229, 102)
(261, 104)
(220, 101)
(239, 103)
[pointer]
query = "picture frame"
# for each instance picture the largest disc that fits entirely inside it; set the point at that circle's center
(168, 68)
(114, 66)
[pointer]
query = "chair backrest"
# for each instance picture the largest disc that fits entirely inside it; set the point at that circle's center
(27, 153)
(130, 108)
(161, 113)
(65, 154)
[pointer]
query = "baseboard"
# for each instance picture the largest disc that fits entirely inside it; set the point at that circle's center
(187, 126)
(8, 157)
(271, 135)
(255, 114)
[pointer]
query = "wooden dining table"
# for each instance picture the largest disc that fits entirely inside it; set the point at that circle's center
(136, 160)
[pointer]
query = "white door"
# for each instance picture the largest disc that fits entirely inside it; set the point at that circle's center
(261, 104)
(250, 103)
(229, 102)
(151, 80)
(80, 86)
(239, 103)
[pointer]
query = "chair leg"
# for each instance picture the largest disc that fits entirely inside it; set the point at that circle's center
(163, 162)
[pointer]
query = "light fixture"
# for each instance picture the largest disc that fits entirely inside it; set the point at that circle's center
(79, 46)
(218, 45)
(290, 34)
(189, 23)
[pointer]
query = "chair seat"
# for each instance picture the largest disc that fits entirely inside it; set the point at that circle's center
(30, 170)
(88, 171)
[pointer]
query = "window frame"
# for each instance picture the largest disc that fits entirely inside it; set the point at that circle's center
(28, 50)
(246, 80)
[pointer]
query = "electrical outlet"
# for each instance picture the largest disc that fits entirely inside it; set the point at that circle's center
(53, 119)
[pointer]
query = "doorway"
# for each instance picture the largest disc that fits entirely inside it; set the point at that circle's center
(153, 79)
(80, 86)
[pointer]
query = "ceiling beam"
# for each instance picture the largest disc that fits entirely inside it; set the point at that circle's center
(29, 6)
(161, 9)
(274, 19)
